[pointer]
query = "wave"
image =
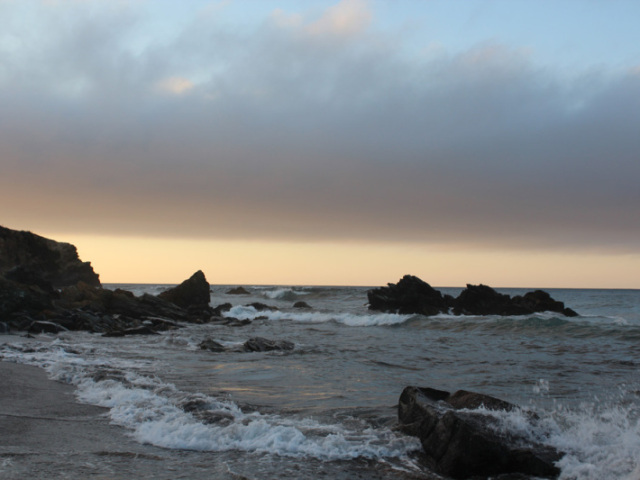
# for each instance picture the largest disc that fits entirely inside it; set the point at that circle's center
(158, 413)
(349, 319)
(546, 323)
(285, 294)
(599, 439)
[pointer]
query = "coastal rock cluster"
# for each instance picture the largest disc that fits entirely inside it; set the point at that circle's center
(45, 287)
(461, 439)
(411, 295)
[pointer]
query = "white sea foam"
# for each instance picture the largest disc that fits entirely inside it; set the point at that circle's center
(287, 294)
(151, 409)
(600, 440)
(349, 319)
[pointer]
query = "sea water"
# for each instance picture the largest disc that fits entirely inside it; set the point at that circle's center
(328, 407)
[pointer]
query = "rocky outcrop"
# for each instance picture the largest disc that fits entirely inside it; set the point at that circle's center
(413, 296)
(30, 259)
(192, 293)
(410, 295)
(259, 344)
(238, 291)
(460, 441)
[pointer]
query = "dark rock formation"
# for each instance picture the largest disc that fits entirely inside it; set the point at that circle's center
(413, 296)
(238, 291)
(41, 326)
(212, 346)
(302, 305)
(43, 259)
(410, 295)
(261, 307)
(193, 292)
(465, 444)
(220, 309)
(259, 344)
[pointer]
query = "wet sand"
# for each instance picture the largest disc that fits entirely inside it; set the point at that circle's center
(46, 433)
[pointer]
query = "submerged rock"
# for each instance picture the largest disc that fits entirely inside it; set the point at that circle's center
(460, 441)
(301, 305)
(211, 345)
(259, 344)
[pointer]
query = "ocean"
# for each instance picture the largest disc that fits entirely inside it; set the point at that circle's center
(327, 408)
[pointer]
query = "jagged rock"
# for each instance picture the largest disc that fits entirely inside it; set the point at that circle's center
(413, 296)
(238, 291)
(211, 345)
(462, 443)
(410, 295)
(259, 344)
(302, 305)
(195, 291)
(53, 262)
(230, 321)
(220, 309)
(541, 301)
(261, 307)
(41, 326)
(142, 330)
(17, 298)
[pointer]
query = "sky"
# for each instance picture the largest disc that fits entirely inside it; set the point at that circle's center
(327, 142)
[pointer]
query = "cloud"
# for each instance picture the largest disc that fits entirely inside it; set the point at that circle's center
(345, 18)
(174, 85)
(288, 134)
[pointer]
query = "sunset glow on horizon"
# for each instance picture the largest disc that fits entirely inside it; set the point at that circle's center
(327, 142)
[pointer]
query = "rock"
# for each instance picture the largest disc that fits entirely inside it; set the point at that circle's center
(17, 298)
(238, 291)
(211, 345)
(142, 330)
(409, 296)
(194, 291)
(541, 301)
(4, 327)
(53, 262)
(220, 309)
(484, 300)
(302, 305)
(259, 344)
(261, 307)
(413, 296)
(466, 443)
(46, 327)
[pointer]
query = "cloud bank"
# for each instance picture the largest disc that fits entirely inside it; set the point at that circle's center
(308, 127)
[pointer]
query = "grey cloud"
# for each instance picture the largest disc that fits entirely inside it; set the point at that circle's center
(289, 135)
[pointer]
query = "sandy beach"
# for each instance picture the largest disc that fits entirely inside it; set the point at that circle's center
(44, 430)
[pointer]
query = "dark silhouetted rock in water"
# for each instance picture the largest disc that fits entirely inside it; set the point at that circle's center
(262, 307)
(238, 291)
(410, 295)
(43, 259)
(193, 292)
(470, 443)
(413, 296)
(304, 305)
(211, 345)
(42, 326)
(259, 344)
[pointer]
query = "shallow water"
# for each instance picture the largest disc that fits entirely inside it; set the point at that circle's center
(328, 406)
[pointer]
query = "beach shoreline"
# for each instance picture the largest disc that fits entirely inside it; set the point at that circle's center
(46, 430)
